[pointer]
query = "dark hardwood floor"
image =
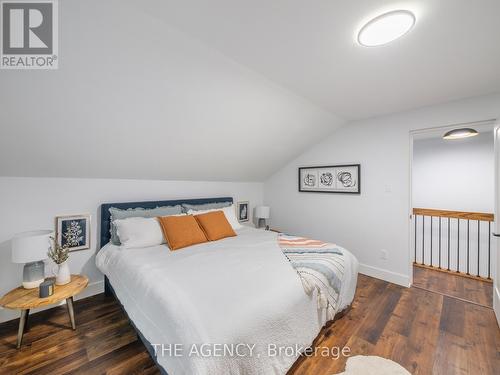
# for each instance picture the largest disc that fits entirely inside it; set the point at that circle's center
(473, 290)
(425, 332)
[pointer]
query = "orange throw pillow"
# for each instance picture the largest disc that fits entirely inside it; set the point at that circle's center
(215, 225)
(181, 231)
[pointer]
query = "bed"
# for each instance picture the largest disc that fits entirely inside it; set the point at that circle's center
(233, 306)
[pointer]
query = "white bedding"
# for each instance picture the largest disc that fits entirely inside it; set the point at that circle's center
(237, 290)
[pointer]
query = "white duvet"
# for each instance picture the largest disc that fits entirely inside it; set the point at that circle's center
(239, 290)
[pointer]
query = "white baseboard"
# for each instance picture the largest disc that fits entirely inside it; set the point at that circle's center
(379, 273)
(496, 303)
(93, 288)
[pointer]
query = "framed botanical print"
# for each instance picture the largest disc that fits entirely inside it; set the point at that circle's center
(73, 231)
(242, 211)
(331, 179)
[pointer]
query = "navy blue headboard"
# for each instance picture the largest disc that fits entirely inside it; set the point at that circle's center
(106, 216)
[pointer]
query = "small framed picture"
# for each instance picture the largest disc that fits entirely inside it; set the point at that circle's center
(331, 179)
(73, 231)
(243, 214)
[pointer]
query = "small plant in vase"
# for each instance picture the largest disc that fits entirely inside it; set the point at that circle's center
(59, 255)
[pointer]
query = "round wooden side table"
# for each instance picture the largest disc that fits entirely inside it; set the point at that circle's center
(26, 299)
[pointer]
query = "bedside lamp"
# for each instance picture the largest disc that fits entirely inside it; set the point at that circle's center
(262, 213)
(31, 248)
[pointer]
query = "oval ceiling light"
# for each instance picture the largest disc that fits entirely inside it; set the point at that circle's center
(386, 28)
(460, 133)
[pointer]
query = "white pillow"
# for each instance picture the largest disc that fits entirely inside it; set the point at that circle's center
(139, 232)
(229, 212)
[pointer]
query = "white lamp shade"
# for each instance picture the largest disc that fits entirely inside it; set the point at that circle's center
(262, 212)
(31, 246)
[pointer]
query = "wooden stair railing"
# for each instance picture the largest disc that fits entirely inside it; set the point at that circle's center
(453, 241)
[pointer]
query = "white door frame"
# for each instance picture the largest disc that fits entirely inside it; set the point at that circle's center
(496, 228)
(441, 130)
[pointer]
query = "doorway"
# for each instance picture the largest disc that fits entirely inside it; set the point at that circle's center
(452, 212)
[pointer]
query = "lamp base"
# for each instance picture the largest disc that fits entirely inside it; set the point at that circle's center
(33, 274)
(261, 223)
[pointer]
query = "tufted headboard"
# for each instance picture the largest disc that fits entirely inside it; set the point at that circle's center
(105, 223)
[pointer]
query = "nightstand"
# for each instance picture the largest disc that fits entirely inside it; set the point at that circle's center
(27, 299)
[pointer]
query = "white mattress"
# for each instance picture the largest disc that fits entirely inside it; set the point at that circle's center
(237, 290)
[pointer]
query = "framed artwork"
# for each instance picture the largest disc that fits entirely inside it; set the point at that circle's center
(242, 211)
(331, 179)
(73, 231)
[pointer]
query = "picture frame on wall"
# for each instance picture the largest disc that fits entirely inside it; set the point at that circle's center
(73, 231)
(243, 211)
(342, 179)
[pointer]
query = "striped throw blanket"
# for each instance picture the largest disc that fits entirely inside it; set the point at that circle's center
(320, 266)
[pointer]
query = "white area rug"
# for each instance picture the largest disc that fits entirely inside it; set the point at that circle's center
(372, 365)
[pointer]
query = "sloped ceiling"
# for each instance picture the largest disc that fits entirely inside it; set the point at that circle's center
(453, 51)
(134, 98)
(228, 89)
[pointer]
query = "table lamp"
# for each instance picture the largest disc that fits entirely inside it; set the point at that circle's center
(262, 213)
(31, 248)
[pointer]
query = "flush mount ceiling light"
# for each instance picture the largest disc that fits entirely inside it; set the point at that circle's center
(386, 28)
(460, 133)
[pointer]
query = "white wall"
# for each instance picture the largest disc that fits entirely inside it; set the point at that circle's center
(32, 203)
(454, 175)
(379, 217)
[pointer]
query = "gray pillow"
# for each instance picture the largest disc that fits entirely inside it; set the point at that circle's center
(118, 214)
(206, 206)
